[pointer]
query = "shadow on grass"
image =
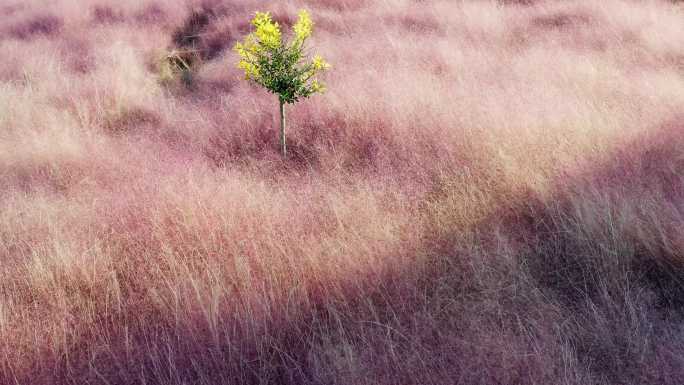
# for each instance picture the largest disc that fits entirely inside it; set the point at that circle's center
(582, 287)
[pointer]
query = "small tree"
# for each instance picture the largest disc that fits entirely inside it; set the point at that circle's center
(282, 67)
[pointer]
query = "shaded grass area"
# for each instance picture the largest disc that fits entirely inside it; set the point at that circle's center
(582, 286)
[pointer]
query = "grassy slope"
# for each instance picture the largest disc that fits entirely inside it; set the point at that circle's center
(488, 194)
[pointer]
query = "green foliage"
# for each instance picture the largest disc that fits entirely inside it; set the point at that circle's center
(282, 67)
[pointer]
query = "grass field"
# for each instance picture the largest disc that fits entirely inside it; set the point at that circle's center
(489, 193)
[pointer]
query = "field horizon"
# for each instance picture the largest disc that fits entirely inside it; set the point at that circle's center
(489, 192)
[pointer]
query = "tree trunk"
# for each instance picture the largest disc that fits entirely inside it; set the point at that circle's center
(283, 145)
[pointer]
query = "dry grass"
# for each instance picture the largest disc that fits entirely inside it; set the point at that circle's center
(490, 193)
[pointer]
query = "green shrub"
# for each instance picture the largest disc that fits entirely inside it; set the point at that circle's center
(282, 67)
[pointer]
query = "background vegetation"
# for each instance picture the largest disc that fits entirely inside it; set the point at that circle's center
(489, 193)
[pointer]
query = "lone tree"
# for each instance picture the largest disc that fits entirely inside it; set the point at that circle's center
(282, 67)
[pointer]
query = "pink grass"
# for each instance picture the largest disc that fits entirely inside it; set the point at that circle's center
(489, 193)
